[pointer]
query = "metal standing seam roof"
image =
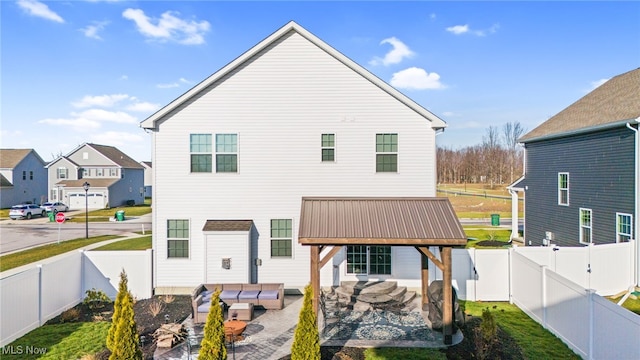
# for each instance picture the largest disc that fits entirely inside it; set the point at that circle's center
(393, 221)
(612, 103)
(227, 225)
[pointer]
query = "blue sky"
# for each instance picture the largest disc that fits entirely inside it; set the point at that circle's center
(90, 71)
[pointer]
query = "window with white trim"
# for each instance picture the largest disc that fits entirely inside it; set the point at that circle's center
(563, 188)
(201, 153)
(177, 238)
(585, 226)
(113, 172)
(281, 238)
(328, 147)
(624, 227)
(372, 260)
(62, 173)
(226, 152)
(386, 152)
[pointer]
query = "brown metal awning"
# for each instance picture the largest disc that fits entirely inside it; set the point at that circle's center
(420, 221)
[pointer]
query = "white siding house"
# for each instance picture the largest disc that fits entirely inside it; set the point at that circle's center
(291, 117)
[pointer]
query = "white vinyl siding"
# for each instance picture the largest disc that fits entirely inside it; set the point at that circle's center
(279, 105)
(563, 188)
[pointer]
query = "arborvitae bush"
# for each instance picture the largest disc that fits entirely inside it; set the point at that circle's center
(212, 346)
(123, 339)
(306, 339)
(486, 336)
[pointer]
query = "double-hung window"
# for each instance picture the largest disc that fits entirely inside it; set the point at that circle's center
(226, 152)
(30, 175)
(328, 147)
(62, 173)
(24, 175)
(201, 157)
(281, 239)
(585, 226)
(386, 152)
(563, 188)
(177, 238)
(624, 227)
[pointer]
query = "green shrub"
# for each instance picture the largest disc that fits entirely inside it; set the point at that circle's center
(95, 299)
(487, 335)
(306, 339)
(123, 339)
(212, 346)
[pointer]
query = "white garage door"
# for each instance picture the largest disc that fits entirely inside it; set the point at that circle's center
(94, 201)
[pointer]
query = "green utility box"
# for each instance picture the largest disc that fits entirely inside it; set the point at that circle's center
(120, 215)
(495, 219)
(52, 216)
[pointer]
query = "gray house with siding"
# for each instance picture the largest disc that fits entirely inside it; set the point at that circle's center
(581, 169)
(23, 177)
(114, 178)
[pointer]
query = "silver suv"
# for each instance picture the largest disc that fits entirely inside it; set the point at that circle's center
(26, 211)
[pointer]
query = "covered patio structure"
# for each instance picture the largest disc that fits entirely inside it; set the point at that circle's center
(419, 222)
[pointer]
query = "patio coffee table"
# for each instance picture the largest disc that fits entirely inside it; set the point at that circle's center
(241, 311)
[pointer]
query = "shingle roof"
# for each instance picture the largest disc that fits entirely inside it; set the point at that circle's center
(10, 158)
(94, 183)
(4, 182)
(227, 225)
(615, 101)
(392, 221)
(117, 156)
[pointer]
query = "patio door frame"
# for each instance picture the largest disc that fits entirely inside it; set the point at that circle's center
(369, 259)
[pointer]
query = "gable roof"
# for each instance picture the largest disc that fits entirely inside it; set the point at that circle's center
(419, 221)
(227, 225)
(117, 156)
(152, 121)
(148, 164)
(10, 158)
(614, 103)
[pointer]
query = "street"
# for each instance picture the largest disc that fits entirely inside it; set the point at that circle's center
(23, 234)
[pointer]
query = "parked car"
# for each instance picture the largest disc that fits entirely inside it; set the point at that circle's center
(54, 207)
(26, 211)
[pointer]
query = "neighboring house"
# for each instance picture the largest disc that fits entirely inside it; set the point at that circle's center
(148, 178)
(290, 118)
(23, 177)
(115, 179)
(581, 169)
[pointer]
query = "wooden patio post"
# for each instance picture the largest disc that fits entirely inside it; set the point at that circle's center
(315, 276)
(425, 282)
(447, 298)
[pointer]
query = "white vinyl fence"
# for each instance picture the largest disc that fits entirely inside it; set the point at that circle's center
(31, 297)
(560, 288)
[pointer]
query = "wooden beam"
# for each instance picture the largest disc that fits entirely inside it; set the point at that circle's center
(432, 257)
(425, 282)
(329, 256)
(447, 297)
(315, 278)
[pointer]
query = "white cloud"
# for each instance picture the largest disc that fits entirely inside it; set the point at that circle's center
(169, 27)
(124, 77)
(464, 29)
(449, 114)
(100, 100)
(116, 138)
(101, 115)
(174, 84)
(143, 107)
(76, 124)
(416, 79)
(432, 16)
(91, 31)
(398, 52)
(38, 9)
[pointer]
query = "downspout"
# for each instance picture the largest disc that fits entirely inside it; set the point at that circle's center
(636, 203)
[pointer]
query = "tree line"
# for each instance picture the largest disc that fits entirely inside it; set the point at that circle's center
(497, 161)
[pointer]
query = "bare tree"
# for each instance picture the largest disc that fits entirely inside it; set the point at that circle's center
(511, 132)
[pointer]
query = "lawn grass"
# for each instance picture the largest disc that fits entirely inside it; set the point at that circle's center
(389, 353)
(533, 339)
(60, 341)
(28, 256)
(141, 243)
(630, 304)
(476, 234)
(472, 201)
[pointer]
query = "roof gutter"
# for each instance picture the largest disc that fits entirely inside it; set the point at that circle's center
(636, 258)
(581, 131)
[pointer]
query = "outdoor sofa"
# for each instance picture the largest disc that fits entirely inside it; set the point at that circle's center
(268, 295)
